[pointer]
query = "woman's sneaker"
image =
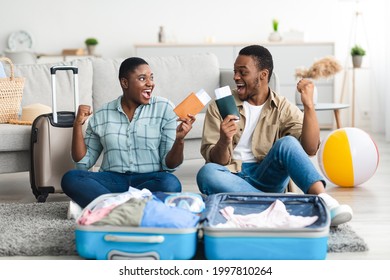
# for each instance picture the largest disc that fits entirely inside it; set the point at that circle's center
(339, 214)
(74, 210)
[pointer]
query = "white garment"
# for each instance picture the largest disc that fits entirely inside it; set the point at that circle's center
(243, 150)
(275, 216)
(123, 197)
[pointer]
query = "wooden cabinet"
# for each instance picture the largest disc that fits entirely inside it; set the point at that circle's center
(287, 57)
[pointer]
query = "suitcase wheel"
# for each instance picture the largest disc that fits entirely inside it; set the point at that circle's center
(42, 197)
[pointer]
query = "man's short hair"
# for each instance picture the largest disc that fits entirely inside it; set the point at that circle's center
(261, 55)
(129, 65)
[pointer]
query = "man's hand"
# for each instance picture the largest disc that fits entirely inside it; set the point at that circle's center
(228, 128)
(306, 88)
(220, 152)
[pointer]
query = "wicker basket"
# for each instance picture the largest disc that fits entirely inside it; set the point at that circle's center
(11, 92)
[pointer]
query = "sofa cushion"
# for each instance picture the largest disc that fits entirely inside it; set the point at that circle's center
(175, 77)
(106, 85)
(14, 161)
(15, 137)
(37, 87)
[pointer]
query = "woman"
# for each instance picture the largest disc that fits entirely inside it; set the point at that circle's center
(138, 136)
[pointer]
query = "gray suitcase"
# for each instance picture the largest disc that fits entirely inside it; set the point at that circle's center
(51, 140)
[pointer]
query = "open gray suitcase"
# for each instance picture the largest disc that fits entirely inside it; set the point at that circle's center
(265, 243)
(51, 138)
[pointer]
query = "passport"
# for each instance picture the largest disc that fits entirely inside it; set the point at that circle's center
(192, 104)
(225, 102)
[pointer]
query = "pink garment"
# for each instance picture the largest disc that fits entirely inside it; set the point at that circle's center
(275, 216)
(104, 207)
(89, 217)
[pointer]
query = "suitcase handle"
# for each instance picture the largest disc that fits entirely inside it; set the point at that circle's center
(135, 239)
(53, 71)
(120, 255)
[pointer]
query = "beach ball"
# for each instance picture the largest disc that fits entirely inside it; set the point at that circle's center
(348, 157)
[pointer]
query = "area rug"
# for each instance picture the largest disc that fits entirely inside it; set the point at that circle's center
(36, 229)
(42, 229)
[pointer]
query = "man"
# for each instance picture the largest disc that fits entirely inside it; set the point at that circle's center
(138, 135)
(270, 142)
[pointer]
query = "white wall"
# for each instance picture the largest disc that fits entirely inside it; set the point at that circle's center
(386, 91)
(119, 24)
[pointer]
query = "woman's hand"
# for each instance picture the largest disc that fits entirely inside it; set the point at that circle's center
(175, 156)
(79, 148)
(184, 127)
(84, 111)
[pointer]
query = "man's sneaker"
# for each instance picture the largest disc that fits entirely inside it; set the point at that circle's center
(339, 214)
(74, 210)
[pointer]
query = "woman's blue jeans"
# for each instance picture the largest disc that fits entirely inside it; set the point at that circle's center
(84, 186)
(286, 159)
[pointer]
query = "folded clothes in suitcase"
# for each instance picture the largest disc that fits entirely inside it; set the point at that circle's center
(234, 240)
(158, 235)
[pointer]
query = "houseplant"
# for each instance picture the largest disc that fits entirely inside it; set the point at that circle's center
(357, 53)
(275, 35)
(275, 25)
(91, 45)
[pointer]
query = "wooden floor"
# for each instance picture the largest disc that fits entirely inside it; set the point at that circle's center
(370, 202)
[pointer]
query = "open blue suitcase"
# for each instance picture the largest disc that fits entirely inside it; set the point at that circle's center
(265, 243)
(119, 242)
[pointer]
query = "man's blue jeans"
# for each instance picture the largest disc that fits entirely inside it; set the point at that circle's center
(84, 186)
(286, 159)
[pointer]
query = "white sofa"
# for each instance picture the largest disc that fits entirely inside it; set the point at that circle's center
(175, 78)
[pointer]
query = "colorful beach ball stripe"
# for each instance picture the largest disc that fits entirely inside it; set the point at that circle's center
(348, 157)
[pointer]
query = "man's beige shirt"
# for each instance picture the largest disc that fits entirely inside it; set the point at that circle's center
(278, 118)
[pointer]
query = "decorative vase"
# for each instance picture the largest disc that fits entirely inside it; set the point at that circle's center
(161, 35)
(357, 61)
(91, 49)
(274, 37)
(298, 100)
